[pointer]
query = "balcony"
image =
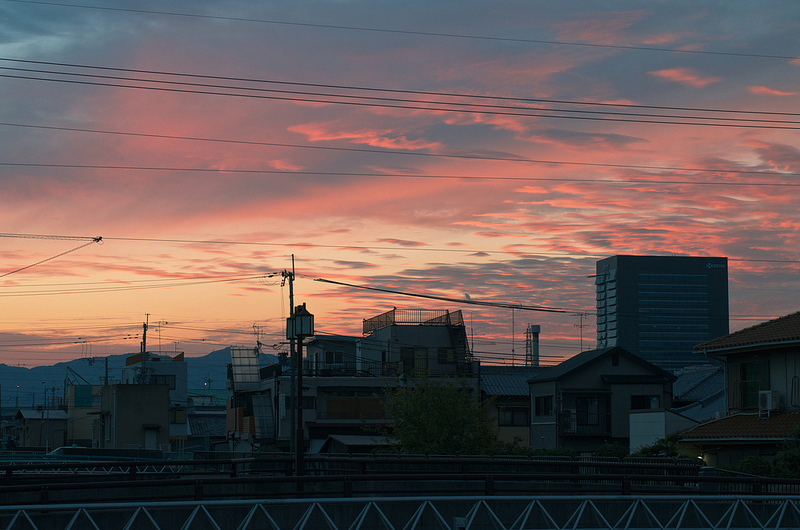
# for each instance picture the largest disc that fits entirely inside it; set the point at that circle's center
(584, 424)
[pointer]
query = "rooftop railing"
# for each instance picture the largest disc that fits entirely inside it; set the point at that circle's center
(430, 317)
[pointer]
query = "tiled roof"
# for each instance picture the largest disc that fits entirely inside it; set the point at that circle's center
(697, 385)
(507, 380)
(705, 409)
(745, 426)
(207, 423)
(786, 328)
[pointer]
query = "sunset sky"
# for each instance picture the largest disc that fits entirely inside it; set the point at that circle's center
(489, 151)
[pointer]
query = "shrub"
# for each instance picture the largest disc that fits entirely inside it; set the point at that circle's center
(613, 450)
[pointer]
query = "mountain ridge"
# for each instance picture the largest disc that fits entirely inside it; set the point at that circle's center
(22, 387)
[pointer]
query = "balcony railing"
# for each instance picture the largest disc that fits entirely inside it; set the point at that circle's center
(352, 369)
(584, 424)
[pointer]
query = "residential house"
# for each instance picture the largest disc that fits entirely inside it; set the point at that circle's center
(44, 428)
(762, 374)
(507, 391)
(586, 400)
(698, 394)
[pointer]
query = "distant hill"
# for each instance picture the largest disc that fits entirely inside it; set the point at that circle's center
(27, 385)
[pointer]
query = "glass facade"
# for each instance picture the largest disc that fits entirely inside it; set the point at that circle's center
(660, 307)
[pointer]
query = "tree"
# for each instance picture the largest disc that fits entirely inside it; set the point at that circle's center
(786, 463)
(662, 447)
(439, 417)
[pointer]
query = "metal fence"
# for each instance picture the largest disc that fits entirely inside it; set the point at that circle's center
(410, 513)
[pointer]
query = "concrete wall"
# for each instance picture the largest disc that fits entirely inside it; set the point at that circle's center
(135, 416)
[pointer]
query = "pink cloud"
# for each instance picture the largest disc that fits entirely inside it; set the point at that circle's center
(766, 91)
(601, 28)
(686, 76)
(385, 138)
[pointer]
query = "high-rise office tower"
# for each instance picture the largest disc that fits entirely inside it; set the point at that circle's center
(660, 307)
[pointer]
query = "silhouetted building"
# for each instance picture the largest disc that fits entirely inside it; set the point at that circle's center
(660, 307)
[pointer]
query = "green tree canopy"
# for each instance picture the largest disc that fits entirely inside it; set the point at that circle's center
(439, 417)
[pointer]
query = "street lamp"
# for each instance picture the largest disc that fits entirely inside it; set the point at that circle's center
(299, 326)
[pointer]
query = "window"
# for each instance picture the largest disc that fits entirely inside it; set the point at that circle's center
(333, 357)
(446, 356)
(588, 411)
(513, 417)
(543, 405)
(159, 379)
(645, 402)
(753, 376)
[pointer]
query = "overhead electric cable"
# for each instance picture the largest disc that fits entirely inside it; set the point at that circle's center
(422, 247)
(398, 91)
(94, 240)
(623, 182)
(458, 106)
(447, 299)
(490, 38)
(430, 106)
(156, 284)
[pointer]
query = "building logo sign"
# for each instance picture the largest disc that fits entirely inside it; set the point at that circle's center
(715, 265)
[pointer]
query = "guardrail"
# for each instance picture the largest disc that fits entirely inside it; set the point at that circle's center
(345, 477)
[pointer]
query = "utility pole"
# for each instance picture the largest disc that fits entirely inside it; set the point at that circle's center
(581, 325)
(287, 275)
(145, 325)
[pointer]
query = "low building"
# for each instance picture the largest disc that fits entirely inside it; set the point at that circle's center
(344, 379)
(134, 417)
(150, 369)
(41, 428)
(506, 388)
(83, 408)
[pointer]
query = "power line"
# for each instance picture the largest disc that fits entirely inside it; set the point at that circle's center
(399, 103)
(446, 299)
(457, 177)
(95, 240)
(369, 89)
(412, 32)
(354, 247)
(399, 175)
(156, 284)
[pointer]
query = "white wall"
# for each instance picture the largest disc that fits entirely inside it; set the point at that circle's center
(648, 426)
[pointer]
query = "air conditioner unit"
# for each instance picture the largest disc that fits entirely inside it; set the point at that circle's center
(768, 400)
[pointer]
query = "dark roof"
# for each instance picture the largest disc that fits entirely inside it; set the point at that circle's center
(745, 427)
(697, 385)
(779, 330)
(575, 362)
(38, 414)
(612, 379)
(507, 380)
(207, 423)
